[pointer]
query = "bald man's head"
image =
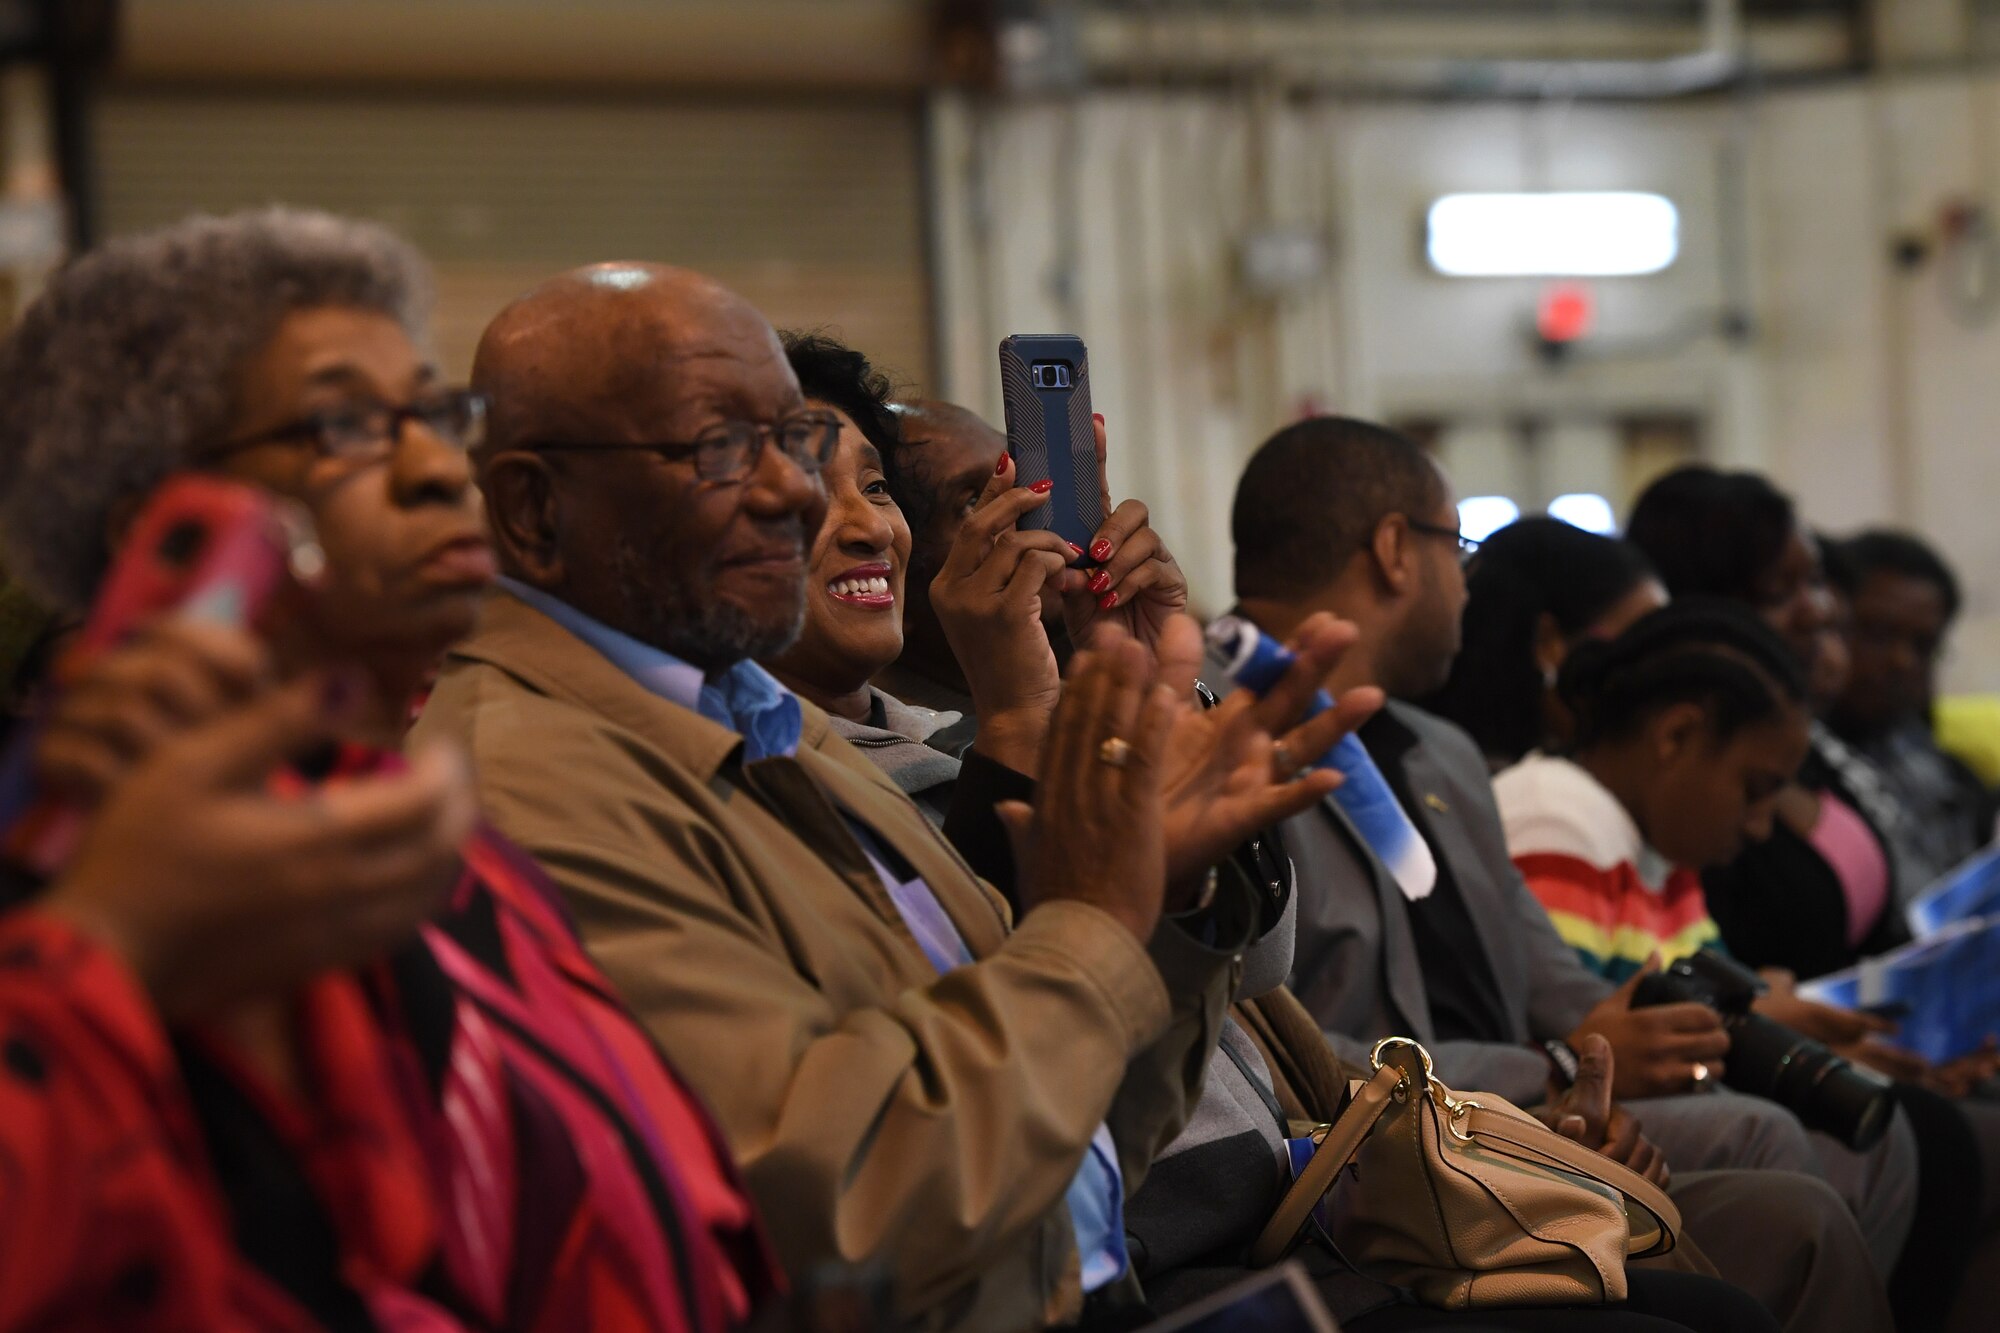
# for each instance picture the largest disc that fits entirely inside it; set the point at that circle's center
(943, 459)
(944, 448)
(601, 381)
(592, 353)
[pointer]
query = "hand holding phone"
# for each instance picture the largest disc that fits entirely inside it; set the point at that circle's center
(213, 886)
(1045, 386)
(205, 563)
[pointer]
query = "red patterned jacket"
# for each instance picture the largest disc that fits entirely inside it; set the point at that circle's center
(490, 1143)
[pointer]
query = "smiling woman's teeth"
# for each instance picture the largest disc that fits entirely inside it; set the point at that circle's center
(859, 588)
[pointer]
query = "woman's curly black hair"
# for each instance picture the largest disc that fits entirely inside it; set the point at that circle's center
(834, 373)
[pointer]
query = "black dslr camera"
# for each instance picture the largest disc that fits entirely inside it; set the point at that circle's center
(1768, 1059)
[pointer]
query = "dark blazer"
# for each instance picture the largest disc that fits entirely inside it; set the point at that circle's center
(1355, 966)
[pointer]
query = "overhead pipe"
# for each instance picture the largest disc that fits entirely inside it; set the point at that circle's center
(1302, 60)
(1715, 64)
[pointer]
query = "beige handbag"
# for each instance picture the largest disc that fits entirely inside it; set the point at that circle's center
(1467, 1200)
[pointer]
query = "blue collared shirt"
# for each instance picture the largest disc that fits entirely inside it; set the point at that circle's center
(749, 701)
(746, 698)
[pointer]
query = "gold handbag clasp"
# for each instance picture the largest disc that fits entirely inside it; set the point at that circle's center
(1453, 1108)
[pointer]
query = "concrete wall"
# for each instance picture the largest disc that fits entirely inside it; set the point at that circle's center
(1867, 389)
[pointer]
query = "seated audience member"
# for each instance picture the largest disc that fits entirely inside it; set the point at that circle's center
(857, 588)
(857, 578)
(263, 1097)
(1902, 600)
(1818, 893)
(908, 1077)
(944, 457)
(1344, 516)
(986, 599)
(1821, 892)
(1534, 591)
(1206, 1197)
(1810, 898)
(1688, 727)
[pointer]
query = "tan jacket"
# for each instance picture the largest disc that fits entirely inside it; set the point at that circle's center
(880, 1111)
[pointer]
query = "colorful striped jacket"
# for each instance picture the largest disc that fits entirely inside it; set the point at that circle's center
(1612, 898)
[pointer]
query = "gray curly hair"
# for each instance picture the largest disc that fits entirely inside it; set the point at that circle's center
(127, 361)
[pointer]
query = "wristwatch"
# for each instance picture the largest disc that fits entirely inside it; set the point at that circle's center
(1563, 1061)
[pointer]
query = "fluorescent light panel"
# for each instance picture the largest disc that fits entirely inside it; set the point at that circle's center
(1586, 510)
(1595, 234)
(1480, 516)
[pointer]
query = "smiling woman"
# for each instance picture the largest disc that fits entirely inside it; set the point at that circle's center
(854, 588)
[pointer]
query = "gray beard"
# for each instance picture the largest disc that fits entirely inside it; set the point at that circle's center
(710, 635)
(721, 635)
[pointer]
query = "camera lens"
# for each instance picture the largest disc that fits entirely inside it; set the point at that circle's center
(1823, 1089)
(1767, 1059)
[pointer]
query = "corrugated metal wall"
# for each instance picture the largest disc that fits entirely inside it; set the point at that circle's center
(813, 210)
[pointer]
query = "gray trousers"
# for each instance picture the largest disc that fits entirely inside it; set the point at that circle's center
(1724, 1130)
(1979, 1297)
(1788, 1241)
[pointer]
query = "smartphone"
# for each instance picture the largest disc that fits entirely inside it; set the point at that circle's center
(1277, 1300)
(1045, 385)
(201, 547)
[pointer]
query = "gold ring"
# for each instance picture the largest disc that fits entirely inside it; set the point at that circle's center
(1700, 1074)
(1116, 751)
(1281, 759)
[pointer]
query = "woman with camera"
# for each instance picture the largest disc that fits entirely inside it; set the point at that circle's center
(1689, 726)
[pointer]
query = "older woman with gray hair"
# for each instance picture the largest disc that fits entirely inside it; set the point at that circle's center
(253, 1087)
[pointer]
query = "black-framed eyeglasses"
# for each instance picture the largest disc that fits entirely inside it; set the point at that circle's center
(1467, 546)
(730, 450)
(369, 430)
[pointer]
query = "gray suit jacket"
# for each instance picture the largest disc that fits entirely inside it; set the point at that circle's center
(1355, 967)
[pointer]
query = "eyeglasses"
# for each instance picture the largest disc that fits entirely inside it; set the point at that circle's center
(730, 450)
(1467, 546)
(369, 430)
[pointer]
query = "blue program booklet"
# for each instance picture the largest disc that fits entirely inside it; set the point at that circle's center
(1945, 988)
(1970, 890)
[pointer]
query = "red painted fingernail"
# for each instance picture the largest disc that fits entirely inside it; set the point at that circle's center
(1100, 550)
(1042, 487)
(1100, 582)
(1098, 417)
(1106, 602)
(1078, 549)
(1000, 466)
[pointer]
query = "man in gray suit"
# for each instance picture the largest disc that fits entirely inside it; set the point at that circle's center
(1342, 515)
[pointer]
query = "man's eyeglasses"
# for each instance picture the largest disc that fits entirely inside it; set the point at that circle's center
(1467, 547)
(365, 431)
(730, 450)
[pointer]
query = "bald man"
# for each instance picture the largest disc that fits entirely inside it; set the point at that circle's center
(906, 1081)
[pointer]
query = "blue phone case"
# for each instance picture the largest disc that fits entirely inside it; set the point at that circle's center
(1045, 383)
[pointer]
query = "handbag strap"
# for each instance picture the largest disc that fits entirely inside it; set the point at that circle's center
(1534, 1137)
(1337, 1147)
(1262, 1089)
